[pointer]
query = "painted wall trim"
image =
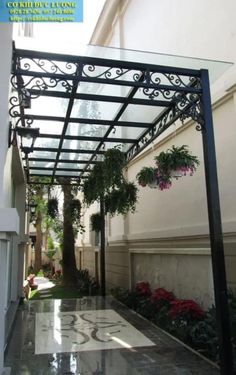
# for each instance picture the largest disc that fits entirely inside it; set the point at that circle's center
(171, 233)
(172, 251)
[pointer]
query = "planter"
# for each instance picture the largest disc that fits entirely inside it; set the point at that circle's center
(154, 184)
(176, 173)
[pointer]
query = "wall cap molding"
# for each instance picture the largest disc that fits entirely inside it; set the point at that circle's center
(171, 251)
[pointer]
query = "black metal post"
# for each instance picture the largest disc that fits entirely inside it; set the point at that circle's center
(216, 237)
(102, 250)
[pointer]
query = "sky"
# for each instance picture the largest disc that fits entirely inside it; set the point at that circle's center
(59, 37)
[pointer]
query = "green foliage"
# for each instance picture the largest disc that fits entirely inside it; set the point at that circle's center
(50, 254)
(176, 158)
(50, 243)
(94, 187)
(52, 208)
(96, 222)
(193, 327)
(75, 207)
(146, 176)
(57, 227)
(113, 165)
(57, 292)
(173, 163)
(122, 200)
(107, 181)
(86, 284)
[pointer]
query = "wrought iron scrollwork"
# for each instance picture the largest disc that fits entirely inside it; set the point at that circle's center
(41, 84)
(47, 66)
(195, 113)
(94, 71)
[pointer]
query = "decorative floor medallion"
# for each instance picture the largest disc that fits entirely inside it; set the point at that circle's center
(85, 330)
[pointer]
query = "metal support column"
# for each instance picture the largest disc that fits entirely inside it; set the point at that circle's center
(102, 250)
(216, 237)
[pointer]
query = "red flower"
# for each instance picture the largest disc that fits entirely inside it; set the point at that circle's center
(143, 288)
(162, 295)
(187, 309)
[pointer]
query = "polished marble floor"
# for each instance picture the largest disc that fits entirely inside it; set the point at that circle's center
(77, 331)
(94, 336)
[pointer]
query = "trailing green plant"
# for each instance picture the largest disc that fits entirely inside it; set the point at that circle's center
(96, 222)
(146, 176)
(52, 207)
(106, 181)
(114, 162)
(177, 159)
(121, 200)
(75, 207)
(93, 187)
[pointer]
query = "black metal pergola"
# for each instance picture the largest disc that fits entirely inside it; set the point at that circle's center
(76, 107)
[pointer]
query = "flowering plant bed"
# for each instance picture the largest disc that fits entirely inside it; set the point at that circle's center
(184, 319)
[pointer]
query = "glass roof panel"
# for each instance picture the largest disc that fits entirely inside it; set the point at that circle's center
(94, 109)
(43, 154)
(48, 106)
(73, 156)
(141, 114)
(47, 142)
(103, 89)
(216, 68)
(74, 165)
(43, 164)
(86, 129)
(83, 145)
(48, 127)
(127, 132)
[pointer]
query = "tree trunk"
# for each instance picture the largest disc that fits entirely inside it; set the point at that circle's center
(38, 243)
(46, 234)
(68, 252)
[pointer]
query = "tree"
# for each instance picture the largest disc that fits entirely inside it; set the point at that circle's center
(71, 224)
(37, 195)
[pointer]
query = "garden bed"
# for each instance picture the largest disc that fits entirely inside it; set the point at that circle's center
(183, 319)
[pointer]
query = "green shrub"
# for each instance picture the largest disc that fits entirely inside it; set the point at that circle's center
(86, 284)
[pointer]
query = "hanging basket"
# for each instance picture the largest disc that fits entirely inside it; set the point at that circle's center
(176, 173)
(96, 222)
(154, 184)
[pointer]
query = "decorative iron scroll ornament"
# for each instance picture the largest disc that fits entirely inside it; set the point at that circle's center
(183, 110)
(47, 66)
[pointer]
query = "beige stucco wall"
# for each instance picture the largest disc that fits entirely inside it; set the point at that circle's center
(12, 204)
(5, 155)
(166, 240)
